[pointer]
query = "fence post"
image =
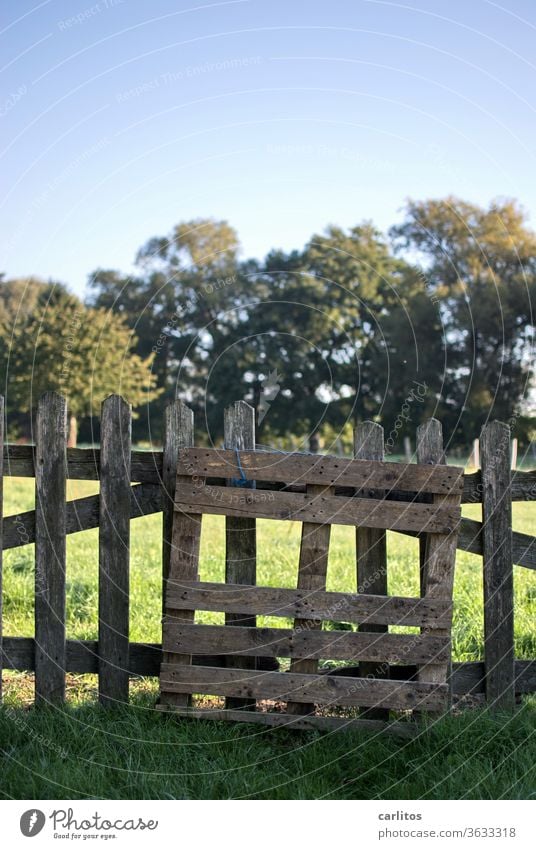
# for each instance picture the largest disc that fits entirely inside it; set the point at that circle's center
(429, 451)
(178, 433)
(50, 526)
(181, 539)
(371, 548)
(1, 527)
(240, 534)
(114, 554)
(437, 552)
(498, 567)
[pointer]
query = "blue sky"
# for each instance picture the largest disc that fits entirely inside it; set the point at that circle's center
(121, 118)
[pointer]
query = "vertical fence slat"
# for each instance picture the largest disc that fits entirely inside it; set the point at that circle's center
(50, 524)
(240, 534)
(178, 433)
(185, 530)
(498, 567)
(312, 575)
(1, 527)
(114, 554)
(371, 548)
(429, 451)
(438, 564)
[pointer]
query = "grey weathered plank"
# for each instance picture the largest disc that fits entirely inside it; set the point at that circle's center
(145, 659)
(83, 463)
(146, 467)
(178, 428)
(1, 530)
(498, 571)
(146, 499)
(319, 469)
(240, 532)
(50, 486)
(523, 487)
(307, 643)
(429, 452)
(437, 572)
(371, 550)
(406, 730)
(323, 509)
(184, 554)
(329, 606)
(114, 554)
(83, 656)
(312, 574)
(321, 689)
(82, 514)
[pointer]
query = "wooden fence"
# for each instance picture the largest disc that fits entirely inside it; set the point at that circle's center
(153, 474)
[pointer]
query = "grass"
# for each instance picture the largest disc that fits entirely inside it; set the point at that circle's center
(133, 752)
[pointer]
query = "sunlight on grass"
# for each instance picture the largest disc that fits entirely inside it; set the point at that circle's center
(278, 545)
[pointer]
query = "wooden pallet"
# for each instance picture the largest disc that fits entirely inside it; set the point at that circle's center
(309, 694)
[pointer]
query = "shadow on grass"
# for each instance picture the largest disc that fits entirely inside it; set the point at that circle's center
(132, 752)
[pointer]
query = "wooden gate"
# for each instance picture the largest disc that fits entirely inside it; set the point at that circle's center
(359, 493)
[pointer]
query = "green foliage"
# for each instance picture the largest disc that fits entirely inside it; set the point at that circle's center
(436, 321)
(480, 266)
(85, 354)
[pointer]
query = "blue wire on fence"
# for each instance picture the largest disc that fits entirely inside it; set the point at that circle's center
(242, 480)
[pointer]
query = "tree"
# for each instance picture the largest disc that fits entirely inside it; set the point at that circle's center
(182, 302)
(85, 354)
(480, 266)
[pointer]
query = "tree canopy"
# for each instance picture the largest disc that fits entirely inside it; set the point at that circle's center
(435, 317)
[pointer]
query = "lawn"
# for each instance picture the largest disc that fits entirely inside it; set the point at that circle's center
(133, 752)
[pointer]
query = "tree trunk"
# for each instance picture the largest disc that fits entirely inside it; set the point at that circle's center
(73, 432)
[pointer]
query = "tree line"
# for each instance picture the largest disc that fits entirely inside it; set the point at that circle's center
(434, 318)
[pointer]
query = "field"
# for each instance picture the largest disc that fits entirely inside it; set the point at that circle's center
(133, 752)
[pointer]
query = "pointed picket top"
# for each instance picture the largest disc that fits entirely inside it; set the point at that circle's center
(115, 400)
(430, 442)
(501, 429)
(52, 412)
(368, 441)
(239, 426)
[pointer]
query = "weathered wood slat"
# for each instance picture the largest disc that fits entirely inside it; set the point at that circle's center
(146, 467)
(439, 551)
(312, 574)
(172, 429)
(184, 557)
(323, 509)
(145, 659)
(83, 657)
(319, 469)
(240, 533)
(329, 606)
(523, 487)
(82, 514)
(83, 463)
(498, 572)
(288, 686)
(114, 555)
(371, 550)
(309, 644)
(146, 499)
(406, 730)
(1, 531)
(50, 547)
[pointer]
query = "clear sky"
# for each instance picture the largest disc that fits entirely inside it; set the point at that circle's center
(122, 117)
